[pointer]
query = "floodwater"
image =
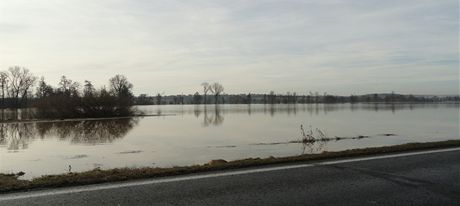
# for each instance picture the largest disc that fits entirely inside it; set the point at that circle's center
(195, 134)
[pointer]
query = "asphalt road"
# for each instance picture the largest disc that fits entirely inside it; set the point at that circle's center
(416, 179)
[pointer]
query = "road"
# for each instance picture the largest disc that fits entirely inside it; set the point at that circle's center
(421, 178)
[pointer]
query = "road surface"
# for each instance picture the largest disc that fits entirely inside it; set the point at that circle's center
(417, 178)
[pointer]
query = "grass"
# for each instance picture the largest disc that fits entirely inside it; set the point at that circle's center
(10, 182)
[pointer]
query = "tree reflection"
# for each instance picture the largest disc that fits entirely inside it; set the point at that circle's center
(89, 132)
(17, 114)
(17, 136)
(197, 111)
(212, 117)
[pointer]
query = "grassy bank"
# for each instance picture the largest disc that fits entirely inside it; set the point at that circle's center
(10, 182)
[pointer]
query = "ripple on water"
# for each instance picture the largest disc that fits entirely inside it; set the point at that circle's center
(77, 157)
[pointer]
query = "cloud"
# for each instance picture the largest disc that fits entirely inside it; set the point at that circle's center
(249, 46)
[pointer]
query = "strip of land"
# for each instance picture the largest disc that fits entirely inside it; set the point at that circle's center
(80, 119)
(10, 182)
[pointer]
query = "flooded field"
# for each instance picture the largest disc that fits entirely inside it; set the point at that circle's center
(189, 134)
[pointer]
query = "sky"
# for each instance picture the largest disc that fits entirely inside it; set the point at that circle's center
(340, 47)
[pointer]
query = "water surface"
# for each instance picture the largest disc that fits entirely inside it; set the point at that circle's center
(195, 134)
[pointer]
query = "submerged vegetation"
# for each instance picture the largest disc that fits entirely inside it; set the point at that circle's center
(313, 137)
(318, 135)
(11, 182)
(310, 137)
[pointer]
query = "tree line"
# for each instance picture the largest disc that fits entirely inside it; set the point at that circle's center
(286, 98)
(69, 99)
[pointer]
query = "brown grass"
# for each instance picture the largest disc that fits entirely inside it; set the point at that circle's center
(10, 182)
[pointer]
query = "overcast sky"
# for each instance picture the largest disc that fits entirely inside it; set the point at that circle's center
(172, 46)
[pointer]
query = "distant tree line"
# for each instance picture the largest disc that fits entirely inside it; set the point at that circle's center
(215, 89)
(287, 98)
(69, 99)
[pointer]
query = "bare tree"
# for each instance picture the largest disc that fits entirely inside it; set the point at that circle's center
(88, 90)
(4, 86)
(43, 89)
(21, 81)
(217, 89)
(120, 86)
(206, 88)
(68, 87)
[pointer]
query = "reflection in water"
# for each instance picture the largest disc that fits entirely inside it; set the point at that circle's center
(17, 114)
(16, 136)
(214, 114)
(211, 116)
(88, 132)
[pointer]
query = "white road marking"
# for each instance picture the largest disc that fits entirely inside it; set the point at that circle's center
(78, 189)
